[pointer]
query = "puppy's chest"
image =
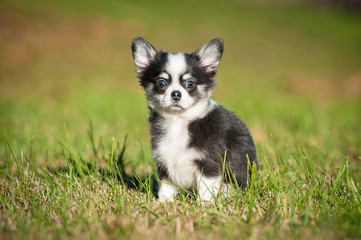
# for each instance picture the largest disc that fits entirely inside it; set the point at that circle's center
(172, 150)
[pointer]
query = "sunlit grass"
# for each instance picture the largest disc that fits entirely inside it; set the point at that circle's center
(75, 159)
(287, 195)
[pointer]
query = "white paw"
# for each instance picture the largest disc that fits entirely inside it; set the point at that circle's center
(208, 188)
(167, 192)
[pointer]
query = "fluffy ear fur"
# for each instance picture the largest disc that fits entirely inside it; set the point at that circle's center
(210, 54)
(143, 53)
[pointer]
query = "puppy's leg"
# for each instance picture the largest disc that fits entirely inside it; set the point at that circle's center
(167, 191)
(208, 187)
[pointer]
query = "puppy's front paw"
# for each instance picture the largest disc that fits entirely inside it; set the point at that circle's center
(208, 189)
(163, 198)
(167, 192)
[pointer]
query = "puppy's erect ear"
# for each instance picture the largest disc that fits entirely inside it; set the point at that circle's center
(143, 53)
(210, 54)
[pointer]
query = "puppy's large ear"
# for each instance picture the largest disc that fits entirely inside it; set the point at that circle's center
(143, 53)
(210, 54)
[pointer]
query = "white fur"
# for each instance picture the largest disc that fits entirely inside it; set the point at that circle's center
(164, 76)
(176, 65)
(143, 55)
(187, 76)
(167, 191)
(199, 110)
(210, 56)
(208, 187)
(185, 102)
(174, 153)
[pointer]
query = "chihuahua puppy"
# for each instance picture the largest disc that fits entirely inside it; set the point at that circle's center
(191, 134)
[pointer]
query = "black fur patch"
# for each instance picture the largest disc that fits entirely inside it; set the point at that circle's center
(162, 171)
(152, 72)
(198, 72)
(155, 131)
(219, 132)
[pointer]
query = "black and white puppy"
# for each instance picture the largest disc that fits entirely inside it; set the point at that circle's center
(190, 133)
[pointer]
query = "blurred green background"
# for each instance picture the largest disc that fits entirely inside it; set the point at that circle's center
(291, 71)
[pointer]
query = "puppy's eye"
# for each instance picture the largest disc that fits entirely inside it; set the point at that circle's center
(161, 84)
(190, 84)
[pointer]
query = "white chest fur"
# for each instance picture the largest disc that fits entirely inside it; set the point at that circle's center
(174, 153)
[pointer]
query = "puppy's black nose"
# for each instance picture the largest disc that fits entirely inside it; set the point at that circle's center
(176, 95)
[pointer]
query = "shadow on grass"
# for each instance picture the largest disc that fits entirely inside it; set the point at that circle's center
(143, 183)
(112, 172)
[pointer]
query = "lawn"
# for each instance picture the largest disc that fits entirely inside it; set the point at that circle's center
(75, 158)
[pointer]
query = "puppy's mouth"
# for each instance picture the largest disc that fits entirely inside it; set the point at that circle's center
(175, 107)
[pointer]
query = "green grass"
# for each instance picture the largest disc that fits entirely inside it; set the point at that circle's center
(73, 119)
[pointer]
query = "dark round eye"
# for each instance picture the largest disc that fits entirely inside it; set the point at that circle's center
(161, 84)
(190, 84)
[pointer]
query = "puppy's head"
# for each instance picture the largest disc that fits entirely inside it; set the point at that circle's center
(175, 83)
